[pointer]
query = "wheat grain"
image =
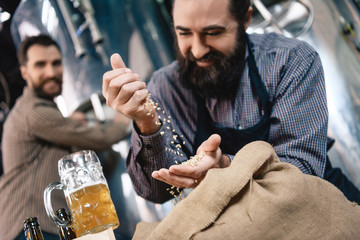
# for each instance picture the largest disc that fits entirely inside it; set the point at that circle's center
(193, 161)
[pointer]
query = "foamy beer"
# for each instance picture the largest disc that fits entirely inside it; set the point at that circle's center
(86, 192)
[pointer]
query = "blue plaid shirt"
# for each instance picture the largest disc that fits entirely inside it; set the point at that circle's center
(293, 75)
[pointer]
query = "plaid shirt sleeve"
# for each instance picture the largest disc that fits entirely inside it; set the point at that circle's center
(299, 117)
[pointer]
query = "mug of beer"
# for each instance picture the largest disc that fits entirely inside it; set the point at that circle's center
(86, 192)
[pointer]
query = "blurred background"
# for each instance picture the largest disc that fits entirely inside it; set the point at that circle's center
(89, 31)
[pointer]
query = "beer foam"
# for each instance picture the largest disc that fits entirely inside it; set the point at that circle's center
(68, 192)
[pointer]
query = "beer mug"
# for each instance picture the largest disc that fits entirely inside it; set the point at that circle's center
(86, 192)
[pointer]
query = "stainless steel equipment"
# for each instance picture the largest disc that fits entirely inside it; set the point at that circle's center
(332, 27)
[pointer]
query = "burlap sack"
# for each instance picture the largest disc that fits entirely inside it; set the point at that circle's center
(258, 197)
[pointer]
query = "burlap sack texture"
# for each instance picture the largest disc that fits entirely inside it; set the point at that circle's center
(258, 197)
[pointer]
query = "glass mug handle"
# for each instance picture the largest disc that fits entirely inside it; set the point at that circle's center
(48, 205)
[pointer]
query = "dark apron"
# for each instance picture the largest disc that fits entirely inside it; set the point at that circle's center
(232, 140)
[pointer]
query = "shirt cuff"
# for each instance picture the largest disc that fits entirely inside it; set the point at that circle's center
(231, 157)
(150, 145)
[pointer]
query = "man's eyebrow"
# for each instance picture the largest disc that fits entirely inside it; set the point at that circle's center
(182, 28)
(214, 27)
(39, 62)
(207, 28)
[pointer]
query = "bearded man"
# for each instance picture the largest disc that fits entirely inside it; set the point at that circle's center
(226, 89)
(36, 136)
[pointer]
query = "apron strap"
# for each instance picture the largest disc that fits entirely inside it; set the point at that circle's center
(233, 139)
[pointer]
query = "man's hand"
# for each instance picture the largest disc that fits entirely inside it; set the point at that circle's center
(190, 176)
(79, 116)
(125, 93)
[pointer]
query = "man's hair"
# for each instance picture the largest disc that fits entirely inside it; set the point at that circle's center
(42, 39)
(237, 8)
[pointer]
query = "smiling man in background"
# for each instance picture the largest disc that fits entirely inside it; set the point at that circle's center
(36, 136)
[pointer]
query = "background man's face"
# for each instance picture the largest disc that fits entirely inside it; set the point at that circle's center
(43, 70)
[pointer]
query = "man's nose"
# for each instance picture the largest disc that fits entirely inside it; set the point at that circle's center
(199, 47)
(50, 71)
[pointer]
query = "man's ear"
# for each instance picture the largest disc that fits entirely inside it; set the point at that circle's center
(248, 18)
(24, 74)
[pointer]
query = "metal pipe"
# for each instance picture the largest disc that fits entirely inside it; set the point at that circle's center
(97, 106)
(267, 16)
(78, 45)
(87, 9)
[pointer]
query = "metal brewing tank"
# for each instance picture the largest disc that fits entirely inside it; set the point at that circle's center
(332, 27)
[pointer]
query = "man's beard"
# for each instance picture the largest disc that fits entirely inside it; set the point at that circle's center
(222, 77)
(40, 91)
